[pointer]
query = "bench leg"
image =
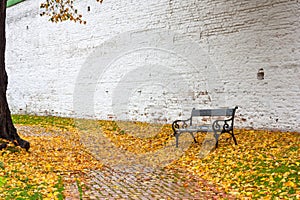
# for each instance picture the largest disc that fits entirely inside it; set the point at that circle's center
(234, 139)
(193, 137)
(217, 139)
(177, 139)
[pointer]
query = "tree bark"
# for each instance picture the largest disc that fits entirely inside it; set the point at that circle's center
(7, 128)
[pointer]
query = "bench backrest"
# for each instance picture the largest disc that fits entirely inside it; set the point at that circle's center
(226, 112)
(214, 112)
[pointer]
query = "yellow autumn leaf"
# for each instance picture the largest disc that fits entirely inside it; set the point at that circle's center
(289, 184)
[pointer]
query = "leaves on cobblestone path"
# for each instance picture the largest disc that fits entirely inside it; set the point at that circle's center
(137, 137)
(263, 165)
(131, 146)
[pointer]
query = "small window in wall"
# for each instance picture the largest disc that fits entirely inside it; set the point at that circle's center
(261, 74)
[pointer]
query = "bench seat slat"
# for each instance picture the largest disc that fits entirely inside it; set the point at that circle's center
(204, 128)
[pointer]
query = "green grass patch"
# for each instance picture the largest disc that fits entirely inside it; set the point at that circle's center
(29, 192)
(43, 120)
(80, 190)
(60, 189)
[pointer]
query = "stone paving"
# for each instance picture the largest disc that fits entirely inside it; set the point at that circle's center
(148, 184)
(130, 184)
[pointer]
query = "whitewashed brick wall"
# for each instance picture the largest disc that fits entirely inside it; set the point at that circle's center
(237, 37)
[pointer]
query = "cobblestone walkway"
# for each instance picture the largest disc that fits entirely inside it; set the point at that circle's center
(143, 185)
(148, 184)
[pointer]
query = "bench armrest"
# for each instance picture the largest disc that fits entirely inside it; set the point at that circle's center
(178, 124)
(223, 125)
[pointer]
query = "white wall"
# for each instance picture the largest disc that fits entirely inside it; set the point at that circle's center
(151, 71)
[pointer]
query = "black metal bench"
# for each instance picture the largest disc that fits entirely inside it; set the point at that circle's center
(218, 126)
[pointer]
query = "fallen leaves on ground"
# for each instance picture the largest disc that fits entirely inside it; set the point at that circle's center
(137, 137)
(37, 174)
(264, 164)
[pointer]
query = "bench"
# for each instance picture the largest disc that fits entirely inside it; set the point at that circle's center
(223, 123)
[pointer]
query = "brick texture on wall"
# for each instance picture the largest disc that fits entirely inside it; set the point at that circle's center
(148, 66)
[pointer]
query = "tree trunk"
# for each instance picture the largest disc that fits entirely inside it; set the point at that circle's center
(7, 128)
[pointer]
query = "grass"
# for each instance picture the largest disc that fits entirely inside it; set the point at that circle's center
(60, 189)
(264, 164)
(42, 121)
(80, 190)
(37, 174)
(19, 192)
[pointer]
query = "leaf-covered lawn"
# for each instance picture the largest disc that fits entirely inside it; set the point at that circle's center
(263, 165)
(55, 152)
